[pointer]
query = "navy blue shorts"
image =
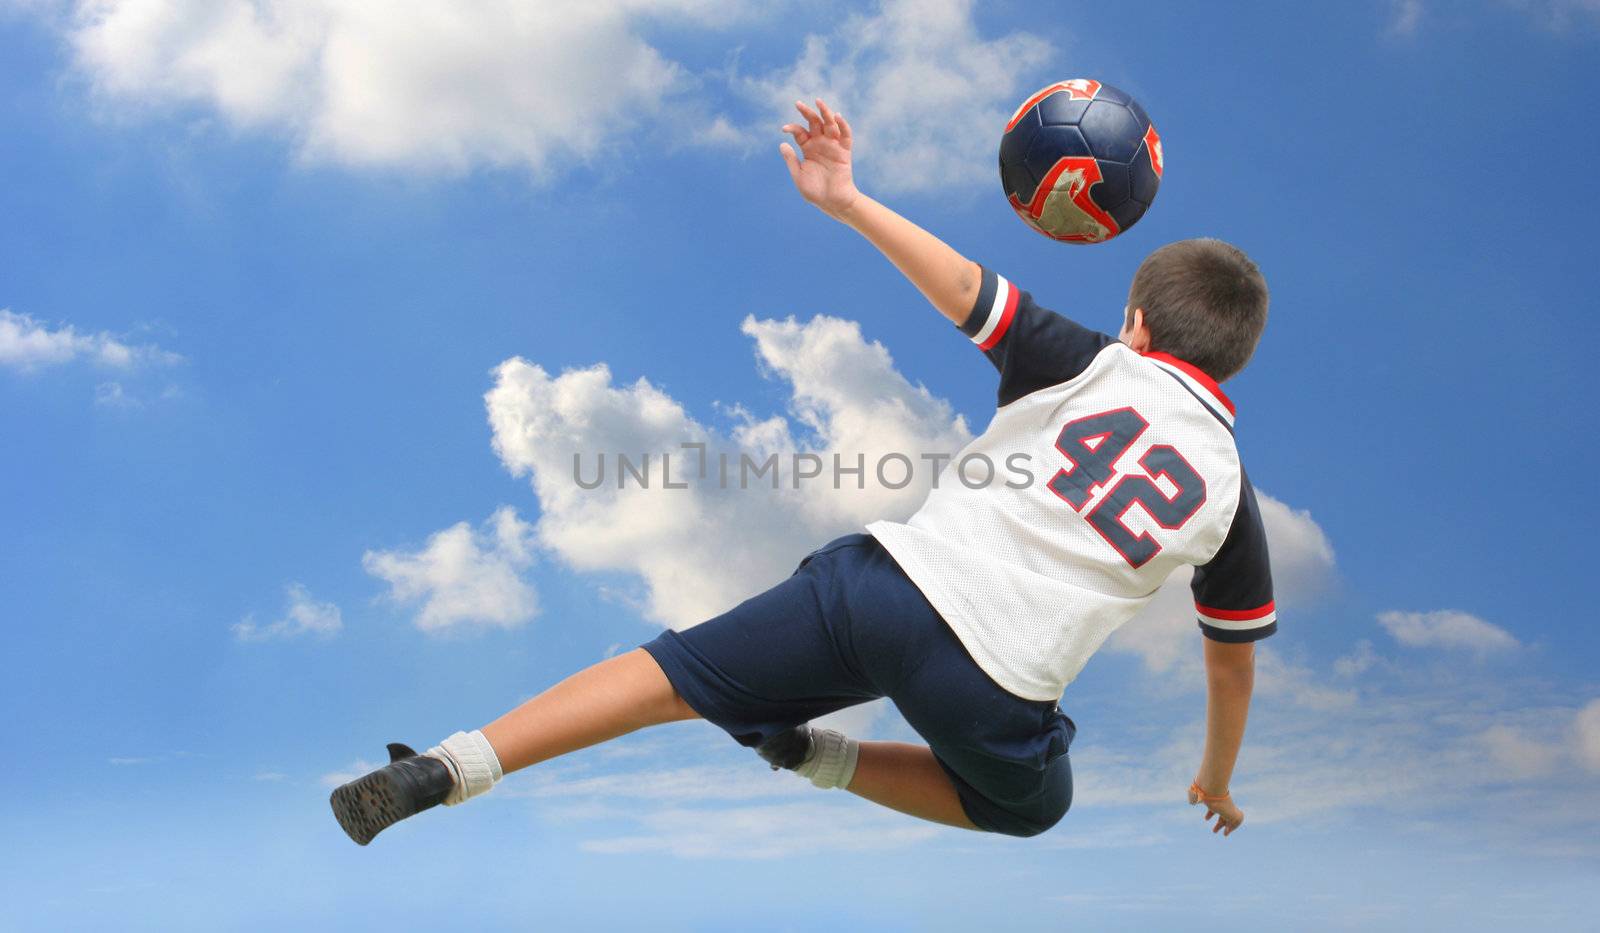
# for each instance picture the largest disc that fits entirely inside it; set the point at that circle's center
(847, 627)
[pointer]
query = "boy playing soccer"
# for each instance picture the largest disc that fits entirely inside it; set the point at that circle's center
(975, 614)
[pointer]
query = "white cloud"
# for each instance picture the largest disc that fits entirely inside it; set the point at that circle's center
(1519, 755)
(1586, 731)
(926, 94)
(701, 549)
(1125, 834)
(155, 759)
(1277, 676)
(1302, 556)
(26, 345)
(704, 798)
(752, 780)
(463, 577)
(344, 776)
(1407, 16)
(1410, 747)
(439, 84)
(1376, 738)
(448, 85)
(1413, 744)
(770, 831)
(1446, 628)
(1558, 15)
(1404, 17)
(112, 395)
(1360, 660)
(303, 616)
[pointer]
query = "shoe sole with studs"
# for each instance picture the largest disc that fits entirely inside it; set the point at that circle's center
(368, 805)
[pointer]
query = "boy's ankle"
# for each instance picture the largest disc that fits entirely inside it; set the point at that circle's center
(474, 766)
(833, 759)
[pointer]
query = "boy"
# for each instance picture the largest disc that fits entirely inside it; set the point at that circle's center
(975, 614)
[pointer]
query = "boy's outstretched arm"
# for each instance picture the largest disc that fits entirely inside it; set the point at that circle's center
(1230, 678)
(947, 279)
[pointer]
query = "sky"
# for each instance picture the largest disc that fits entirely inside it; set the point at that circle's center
(307, 304)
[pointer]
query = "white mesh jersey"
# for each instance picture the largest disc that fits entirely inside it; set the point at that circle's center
(1102, 472)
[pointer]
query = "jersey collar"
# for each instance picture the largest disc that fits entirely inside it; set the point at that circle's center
(1196, 375)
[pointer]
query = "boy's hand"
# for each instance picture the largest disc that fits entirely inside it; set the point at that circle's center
(1228, 816)
(949, 280)
(824, 177)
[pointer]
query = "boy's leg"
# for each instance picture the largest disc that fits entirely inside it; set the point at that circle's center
(629, 692)
(609, 699)
(907, 778)
(606, 700)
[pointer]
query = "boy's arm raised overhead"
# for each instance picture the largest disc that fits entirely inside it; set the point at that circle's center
(949, 280)
(1030, 346)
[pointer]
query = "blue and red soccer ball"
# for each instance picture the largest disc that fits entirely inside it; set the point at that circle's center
(1080, 161)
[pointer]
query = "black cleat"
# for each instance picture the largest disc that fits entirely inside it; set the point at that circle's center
(788, 749)
(407, 785)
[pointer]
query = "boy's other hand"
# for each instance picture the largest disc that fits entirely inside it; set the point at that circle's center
(1228, 816)
(823, 178)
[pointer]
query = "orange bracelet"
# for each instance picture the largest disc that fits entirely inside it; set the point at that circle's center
(1200, 792)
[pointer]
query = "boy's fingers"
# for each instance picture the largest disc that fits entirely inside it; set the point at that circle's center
(812, 118)
(790, 160)
(828, 124)
(800, 135)
(844, 128)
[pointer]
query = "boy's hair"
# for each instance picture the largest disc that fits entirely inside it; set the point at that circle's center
(1205, 303)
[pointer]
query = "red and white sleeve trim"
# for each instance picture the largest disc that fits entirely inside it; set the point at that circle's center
(1238, 620)
(1000, 313)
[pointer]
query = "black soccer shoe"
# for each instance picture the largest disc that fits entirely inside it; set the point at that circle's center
(788, 749)
(407, 785)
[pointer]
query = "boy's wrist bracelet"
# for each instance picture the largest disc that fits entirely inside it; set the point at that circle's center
(1201, 793)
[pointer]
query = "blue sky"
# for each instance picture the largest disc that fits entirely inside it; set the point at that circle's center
(303, 305)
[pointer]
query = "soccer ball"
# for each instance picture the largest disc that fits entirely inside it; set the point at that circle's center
(1080, 161)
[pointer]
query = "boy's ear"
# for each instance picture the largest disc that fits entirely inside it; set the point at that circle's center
(1135, 334)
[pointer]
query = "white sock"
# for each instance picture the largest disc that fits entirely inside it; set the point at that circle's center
(833, 759)
(472, 762)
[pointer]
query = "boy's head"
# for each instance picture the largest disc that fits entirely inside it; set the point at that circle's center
(1202, 301)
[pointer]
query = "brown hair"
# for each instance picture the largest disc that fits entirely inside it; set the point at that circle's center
(1205, 303)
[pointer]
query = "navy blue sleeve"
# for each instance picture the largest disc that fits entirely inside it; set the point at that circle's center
(1233, 593)
(1033, 347)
